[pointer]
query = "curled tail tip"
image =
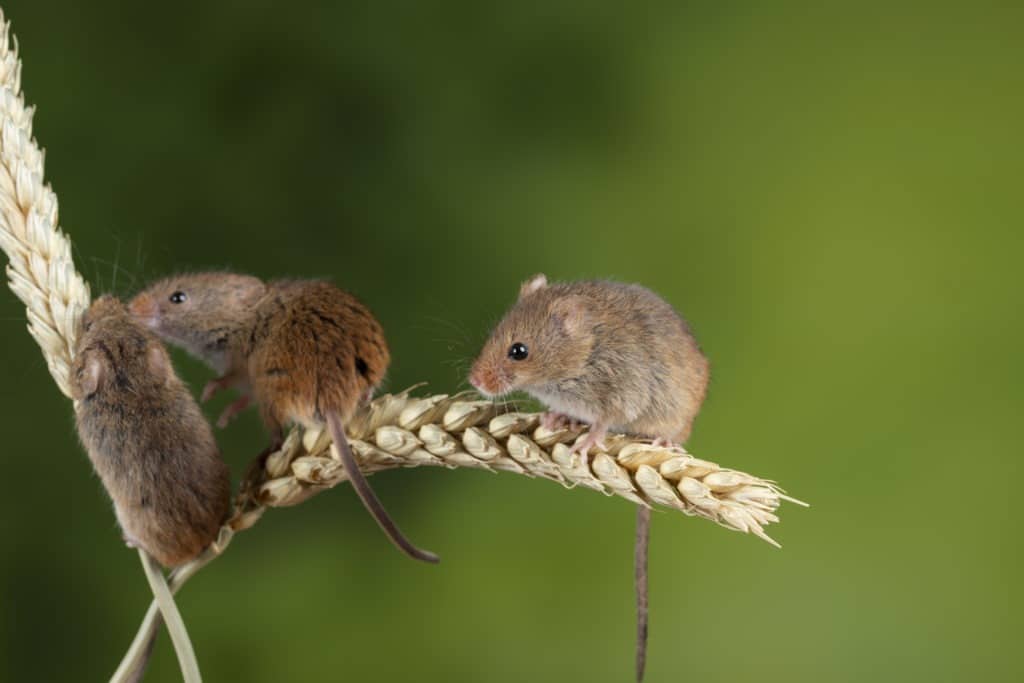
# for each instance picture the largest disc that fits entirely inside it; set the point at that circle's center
(424, 556)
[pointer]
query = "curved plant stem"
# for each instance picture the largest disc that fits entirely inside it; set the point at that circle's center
(133, 665)
(171, 615)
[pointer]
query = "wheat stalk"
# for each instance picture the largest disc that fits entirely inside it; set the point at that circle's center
(175, 624)
(40, 270)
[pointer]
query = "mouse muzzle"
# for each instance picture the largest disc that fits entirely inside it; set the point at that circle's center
(145, 310)
(489, 381)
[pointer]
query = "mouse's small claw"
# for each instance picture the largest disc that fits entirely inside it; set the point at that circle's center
(232, 410)
(215, 386)
(210, 390)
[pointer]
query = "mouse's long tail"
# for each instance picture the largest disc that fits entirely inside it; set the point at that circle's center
(369, 498)
(643, 540)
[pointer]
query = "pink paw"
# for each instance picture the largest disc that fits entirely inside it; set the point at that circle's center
(210, 390)
(592, 439)
(232, 410)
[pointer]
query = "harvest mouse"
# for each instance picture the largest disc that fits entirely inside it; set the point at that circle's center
(612, 355)
(146, 437)
(305, 351)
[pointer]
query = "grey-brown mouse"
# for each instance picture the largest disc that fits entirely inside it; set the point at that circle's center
(146, 437)
(609, 354)
(305, 351)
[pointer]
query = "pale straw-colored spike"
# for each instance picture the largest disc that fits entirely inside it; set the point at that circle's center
(469, 434)
(40, 270)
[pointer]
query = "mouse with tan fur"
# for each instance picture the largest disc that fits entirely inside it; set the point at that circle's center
(304, 351)
(609, 354)
(612, 355)
(146, 437)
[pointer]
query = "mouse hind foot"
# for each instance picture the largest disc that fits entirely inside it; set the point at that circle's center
(593, 438)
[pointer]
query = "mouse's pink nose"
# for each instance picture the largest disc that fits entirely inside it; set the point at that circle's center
(143, 306)
(484, 380)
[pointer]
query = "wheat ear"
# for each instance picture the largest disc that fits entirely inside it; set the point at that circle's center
(40, 270)
(455, 431)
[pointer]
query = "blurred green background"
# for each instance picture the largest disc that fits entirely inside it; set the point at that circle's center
(831, 194)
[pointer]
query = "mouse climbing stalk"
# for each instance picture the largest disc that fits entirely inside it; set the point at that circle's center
(304, 351)
(146, 437)
(612, 355)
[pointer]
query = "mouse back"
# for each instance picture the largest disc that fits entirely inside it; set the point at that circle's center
(314, 348)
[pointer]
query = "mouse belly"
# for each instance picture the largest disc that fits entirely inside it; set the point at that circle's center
(566, 405)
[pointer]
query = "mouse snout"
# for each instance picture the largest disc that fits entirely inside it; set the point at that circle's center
(488, 380)
(144, 308)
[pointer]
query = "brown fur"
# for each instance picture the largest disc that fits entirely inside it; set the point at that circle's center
(314, 349)
(146, 438)
(302, 347)
(306, 351)
(600, 351)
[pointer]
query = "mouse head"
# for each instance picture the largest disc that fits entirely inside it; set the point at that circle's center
(197, 311)
(544, 338)
(113, 353)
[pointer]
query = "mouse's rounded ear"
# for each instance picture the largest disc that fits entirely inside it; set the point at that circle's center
(570, 312)
(89, 376)
(535, 283)
(159, 363)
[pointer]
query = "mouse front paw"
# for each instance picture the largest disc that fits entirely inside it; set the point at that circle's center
(234, 379)
(212, 388)
(232, 410)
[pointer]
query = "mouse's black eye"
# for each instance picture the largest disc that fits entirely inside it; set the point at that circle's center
(518, 351)
(178, 297)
